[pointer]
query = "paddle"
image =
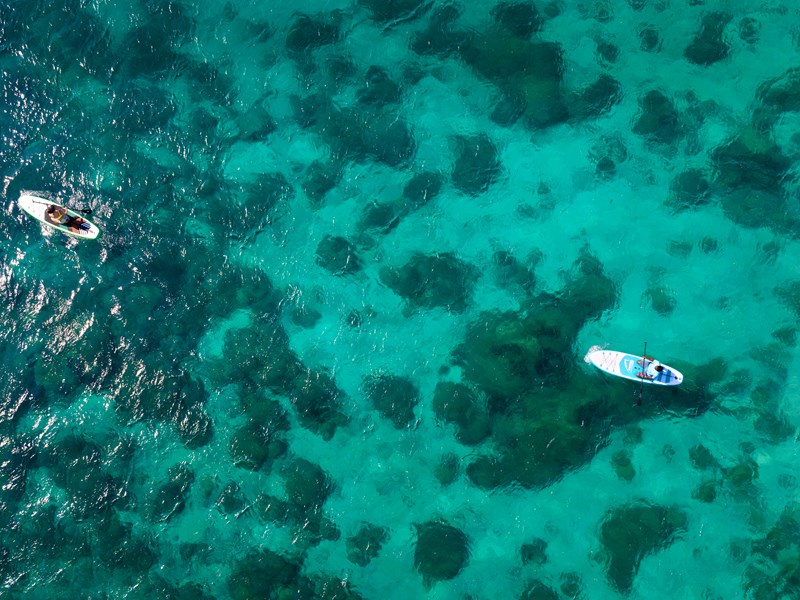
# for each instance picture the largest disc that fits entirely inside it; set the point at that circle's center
(84, 211)
(641, 389)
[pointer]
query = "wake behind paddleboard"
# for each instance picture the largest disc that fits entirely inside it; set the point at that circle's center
(628, 366)
(36, 206)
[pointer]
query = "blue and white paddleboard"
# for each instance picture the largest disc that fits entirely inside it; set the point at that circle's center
(628, 366)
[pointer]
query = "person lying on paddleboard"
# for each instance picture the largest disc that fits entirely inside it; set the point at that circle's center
(651, 370)
(57, 215)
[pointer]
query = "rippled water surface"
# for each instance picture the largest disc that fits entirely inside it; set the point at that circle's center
(330, 341)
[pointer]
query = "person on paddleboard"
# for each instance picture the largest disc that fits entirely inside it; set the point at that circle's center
(57, 215)
(651, 370)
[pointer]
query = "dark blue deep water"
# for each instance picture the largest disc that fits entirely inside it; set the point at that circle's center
(330, 342)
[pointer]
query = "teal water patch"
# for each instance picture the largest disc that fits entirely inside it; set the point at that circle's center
(330, 342)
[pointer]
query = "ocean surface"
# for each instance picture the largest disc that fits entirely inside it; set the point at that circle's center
(330, 343)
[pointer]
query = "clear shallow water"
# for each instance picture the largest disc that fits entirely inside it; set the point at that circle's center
(330, 341)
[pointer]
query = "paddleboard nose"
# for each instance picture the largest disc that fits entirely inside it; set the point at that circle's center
(586, 358)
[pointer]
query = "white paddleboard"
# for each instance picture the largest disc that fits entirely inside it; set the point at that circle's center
(36, 207)
(628, 366)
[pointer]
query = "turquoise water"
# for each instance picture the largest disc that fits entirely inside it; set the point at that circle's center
(330, 343)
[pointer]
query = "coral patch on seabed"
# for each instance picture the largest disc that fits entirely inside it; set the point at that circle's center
(441, 551)
(430, 281)
(631, 533)
(538, 432)
(394, 397)
(456, 403)
(365, 544)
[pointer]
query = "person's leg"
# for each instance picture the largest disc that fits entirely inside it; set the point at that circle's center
(75, 223)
